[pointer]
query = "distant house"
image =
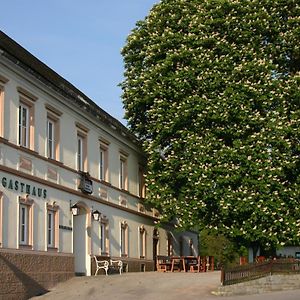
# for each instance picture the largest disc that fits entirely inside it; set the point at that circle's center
(60, 152)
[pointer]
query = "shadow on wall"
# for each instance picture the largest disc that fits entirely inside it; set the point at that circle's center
(16, 284)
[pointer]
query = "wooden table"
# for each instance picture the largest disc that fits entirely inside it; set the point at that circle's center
(190, 263)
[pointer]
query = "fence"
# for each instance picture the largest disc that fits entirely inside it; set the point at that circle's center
(258, 270)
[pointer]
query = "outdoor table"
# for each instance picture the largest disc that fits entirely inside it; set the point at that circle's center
(188, 261)
(176, 263)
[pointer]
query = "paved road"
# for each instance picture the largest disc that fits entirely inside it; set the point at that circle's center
(152, 286)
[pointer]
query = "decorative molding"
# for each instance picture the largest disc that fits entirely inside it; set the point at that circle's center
(142, 229)
(124, 224)
(104, 142)
(156, 213)
(123, 153)
(70, 190)
(52, 206)
(61, 164)
(123, 201)
(104, 219)
(25, 163)
(26, 200)
(27, 94)
(141, 208)
(52, 173)
(3, 79)
(53, 110)
(103, 193)
(82, 127)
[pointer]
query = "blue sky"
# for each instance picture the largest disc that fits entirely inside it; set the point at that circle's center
(80, 40)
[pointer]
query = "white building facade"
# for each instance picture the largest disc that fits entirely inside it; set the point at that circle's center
(59, 150)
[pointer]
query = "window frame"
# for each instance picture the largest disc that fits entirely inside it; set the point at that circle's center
(104, 238)
(141, 182)
(170, 246)
(79, 153)
(2, 114)
(50, 229)
(53, 116)
(142, 242)
(26, 205)
(53, 210)
(51, 140)
(124, 239)
(23, 138)
(27, 101)
(123, 172)
(81, 158)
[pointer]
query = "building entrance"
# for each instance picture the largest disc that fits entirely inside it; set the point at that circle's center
(80, 243)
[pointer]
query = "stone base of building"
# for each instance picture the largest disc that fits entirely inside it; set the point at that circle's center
(29, 273)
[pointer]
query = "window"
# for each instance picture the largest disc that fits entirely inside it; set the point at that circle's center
(50, 139)
(103, 160)
(104, 242)
(26, 119)
(170, 244)
(124, 239)
(123, 182)
(81, 151)
(191, 244)
(103, 169)
(1, 110)
(102, 165)
(3, 80)
(25, 221)
(24, 224)
(142, 241)
(141, 183)
(52, 226)
(53, 132)
(23, 125)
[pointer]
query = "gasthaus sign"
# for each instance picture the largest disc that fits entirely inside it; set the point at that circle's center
(22, 187)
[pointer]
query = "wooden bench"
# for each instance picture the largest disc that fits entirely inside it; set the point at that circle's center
(163, 263)
(108, 264)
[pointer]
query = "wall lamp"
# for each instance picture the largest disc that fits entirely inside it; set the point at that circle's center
(96, 215)
(74, 209)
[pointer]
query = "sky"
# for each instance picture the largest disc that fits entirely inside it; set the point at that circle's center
(80, 40)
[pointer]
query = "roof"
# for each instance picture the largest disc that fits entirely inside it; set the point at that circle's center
(24, 59)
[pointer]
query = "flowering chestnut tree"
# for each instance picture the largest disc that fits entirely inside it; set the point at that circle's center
(212, 90)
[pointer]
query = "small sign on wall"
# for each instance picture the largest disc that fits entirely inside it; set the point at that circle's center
(86, 184)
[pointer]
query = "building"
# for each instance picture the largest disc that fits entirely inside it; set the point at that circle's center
(59, 152)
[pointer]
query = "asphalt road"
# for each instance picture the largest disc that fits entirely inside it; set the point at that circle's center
(152, 286)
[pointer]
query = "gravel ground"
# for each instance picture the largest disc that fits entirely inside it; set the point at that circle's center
(152, 286)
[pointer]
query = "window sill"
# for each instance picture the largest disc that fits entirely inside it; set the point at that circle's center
(52, 249)
(26, 247)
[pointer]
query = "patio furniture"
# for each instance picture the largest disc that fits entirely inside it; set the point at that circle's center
(163, 263)
(108, 264)
(101, 264)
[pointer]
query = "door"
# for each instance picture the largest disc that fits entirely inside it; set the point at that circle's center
(155, 247)
(80, 243)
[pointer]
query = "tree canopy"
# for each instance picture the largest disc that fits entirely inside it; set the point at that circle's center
(212, 89)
